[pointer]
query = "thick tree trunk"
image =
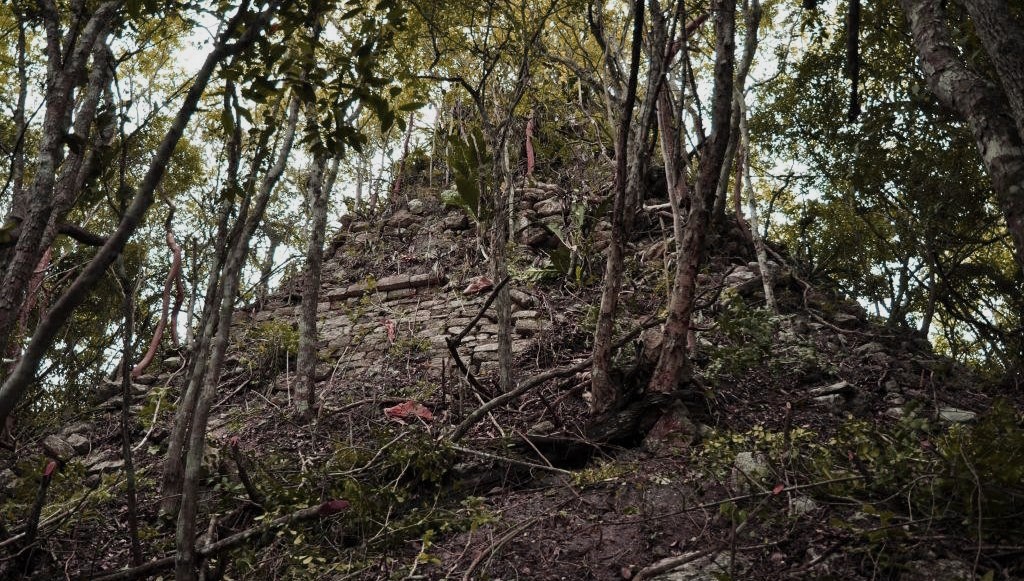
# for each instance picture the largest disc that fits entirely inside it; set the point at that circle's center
(1003, 38)
(987, 110)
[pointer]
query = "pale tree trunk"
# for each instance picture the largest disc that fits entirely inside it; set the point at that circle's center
(995, 115)
(673, 363)
(767, 277)
(185, 562)
(50, 324)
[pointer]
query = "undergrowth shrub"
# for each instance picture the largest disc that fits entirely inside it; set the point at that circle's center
(966, 479)
(745, 338)
(268, 347)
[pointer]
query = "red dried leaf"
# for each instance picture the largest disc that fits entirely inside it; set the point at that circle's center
(778, 489)
(332, 507)
(409, 410)
(479, 284)
(48, 471)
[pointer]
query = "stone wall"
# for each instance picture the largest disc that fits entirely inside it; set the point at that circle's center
(368, 325)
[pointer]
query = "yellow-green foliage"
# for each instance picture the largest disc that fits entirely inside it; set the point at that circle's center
(268, 346)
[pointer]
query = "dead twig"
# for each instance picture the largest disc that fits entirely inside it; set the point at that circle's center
(497, 545)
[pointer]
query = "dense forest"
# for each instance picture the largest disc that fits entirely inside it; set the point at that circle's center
(655, 289)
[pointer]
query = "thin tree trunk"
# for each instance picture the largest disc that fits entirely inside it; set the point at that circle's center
(767, 277)
(605, 393)
(305, 368)
(174, 462)
(19, 379)
(499, 256)
(185, 564)
(126, 401)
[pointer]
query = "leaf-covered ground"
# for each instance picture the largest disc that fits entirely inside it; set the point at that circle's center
(825, 447)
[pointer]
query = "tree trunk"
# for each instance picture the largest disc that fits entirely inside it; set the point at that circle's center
(673, 363)
(305, 369)
(767, 277)
(987, 110)
(499, 256)
(185, 564)
(605, 393)
(20, 378)
(126, 401)
(34, 209)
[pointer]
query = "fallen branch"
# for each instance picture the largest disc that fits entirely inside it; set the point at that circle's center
(508, 460)
(530, 383)
(321, 510)
(454, 342)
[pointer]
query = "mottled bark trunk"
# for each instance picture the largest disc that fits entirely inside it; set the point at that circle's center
(987, 109)
(673, 363)
(1003, 38)
(305, 368)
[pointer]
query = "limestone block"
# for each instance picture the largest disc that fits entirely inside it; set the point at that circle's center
(549, 207)
(58, 448)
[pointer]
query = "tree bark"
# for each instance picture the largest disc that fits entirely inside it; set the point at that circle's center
(605, 393)
(317, 196)
(34, 210)
(20, 378)
(673, 363)
(987, 110)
